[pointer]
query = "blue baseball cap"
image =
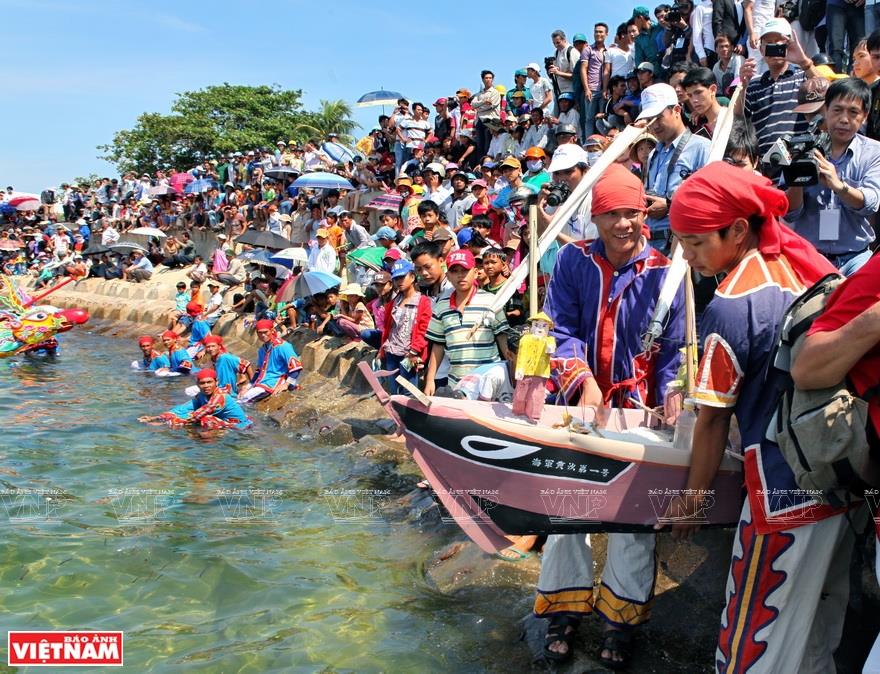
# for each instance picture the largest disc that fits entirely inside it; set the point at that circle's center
(385, 233)
(566, 96)
(402, 268)
(464, 236)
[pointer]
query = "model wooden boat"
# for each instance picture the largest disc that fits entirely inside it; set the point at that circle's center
(497, 473)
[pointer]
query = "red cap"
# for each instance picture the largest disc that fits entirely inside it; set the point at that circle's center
(146, 340)
(393, 253)
(265, 324)
(169, 334)
(439, 101)
(193, 308)
(206, 373)
(461, 258)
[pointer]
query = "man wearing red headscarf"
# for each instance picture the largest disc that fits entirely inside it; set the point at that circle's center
(601, 298)
(278, 366)
(788, 583)
(233, 372)
(152, 360)
(179, 360)
(212, 407)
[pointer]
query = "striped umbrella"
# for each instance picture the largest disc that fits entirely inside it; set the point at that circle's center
(379, 97)
(25, 202)
(322, 180)
(338, 152)
(388, 201)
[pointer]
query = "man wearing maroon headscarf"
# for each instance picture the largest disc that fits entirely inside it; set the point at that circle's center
(789, 575)
(601, 299)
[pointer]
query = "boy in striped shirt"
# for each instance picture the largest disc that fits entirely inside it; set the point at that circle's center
(463, 326)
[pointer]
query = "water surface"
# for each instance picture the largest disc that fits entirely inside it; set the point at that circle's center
(213, 554)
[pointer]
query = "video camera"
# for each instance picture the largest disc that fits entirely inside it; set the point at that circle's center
(794, 153)
(676, 14)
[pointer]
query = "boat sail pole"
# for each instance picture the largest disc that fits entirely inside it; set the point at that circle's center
(679, 267)
(533, 260)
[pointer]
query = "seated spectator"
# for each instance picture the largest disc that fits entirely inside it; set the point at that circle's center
(700, 86)
(352, 315)
(140, 269)
(235, 273)
(727, 68)
(199, 270)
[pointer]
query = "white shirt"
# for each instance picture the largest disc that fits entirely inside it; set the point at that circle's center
(570, 117)
(109, 236)
(322, 258)
(536, 136)
(701, 27)
(539, 91)
(622, 62)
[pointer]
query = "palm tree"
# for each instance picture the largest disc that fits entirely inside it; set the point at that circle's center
(333, 117)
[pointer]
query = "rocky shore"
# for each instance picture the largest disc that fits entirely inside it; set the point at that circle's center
(335, 407)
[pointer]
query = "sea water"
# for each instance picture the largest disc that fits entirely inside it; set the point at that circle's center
(243, 552)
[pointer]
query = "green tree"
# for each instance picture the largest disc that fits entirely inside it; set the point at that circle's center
(204, 123)
(333, 117)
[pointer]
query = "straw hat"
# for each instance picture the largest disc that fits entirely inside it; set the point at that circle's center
(645, 136)
(352, 290)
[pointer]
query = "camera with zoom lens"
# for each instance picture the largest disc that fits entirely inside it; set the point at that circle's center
(794, 154)
(676, 14)
(549, 61)
(558, 193)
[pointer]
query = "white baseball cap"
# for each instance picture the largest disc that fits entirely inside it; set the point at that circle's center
(566, 156)
(534, 66)
(655, 99)
(780, 26)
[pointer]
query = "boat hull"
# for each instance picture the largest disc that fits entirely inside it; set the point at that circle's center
(497, 474)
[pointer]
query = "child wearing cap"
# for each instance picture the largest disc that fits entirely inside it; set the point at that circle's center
(462, 325)
(352, 315)
(406, 318)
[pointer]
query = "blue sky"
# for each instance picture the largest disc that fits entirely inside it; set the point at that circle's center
(75, 72)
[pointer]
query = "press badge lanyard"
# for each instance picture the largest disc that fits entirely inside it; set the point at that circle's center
(829, 217)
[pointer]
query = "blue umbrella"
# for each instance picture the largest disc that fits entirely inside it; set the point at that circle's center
(322, 180)
(199, 186)
(312, 282)
(338, 152)
(380, 97)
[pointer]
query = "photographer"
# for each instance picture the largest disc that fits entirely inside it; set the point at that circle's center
(770, 99)
(567, 167)
(564, 63)
(835, 214)
(678, 154)
(678, 46)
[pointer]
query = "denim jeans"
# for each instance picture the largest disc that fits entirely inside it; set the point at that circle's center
(588, 119)
(872, 18)
(849, 263)
(399, 156)
(392, 362)
(847, 21)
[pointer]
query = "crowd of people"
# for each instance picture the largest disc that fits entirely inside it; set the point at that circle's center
(445, 204)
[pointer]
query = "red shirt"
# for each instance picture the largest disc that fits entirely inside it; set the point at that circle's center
(858, 293)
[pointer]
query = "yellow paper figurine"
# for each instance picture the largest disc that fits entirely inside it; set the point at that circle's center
(533, 367)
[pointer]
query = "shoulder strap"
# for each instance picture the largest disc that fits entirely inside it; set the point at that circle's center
(676, 154)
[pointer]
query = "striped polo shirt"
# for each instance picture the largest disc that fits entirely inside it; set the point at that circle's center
(769, 104)
(451, 327)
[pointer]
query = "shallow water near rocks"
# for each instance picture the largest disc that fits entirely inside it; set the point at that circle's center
(243, 552)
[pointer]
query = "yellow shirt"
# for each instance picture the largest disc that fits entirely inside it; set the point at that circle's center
(532, 358)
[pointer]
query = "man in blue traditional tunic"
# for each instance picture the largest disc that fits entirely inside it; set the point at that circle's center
(199, 329)
(212, 408)
(179, 361)
(232, 371)
(278, 366)
(152, 360)
(601, 299)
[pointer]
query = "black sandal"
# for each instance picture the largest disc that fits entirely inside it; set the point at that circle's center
(558, 631)
(619, 642)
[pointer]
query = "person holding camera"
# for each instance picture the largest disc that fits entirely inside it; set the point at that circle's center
(678, 45)
(678, 154)
(565, 62)
(835, 214)
(567, 167)
(770, 98)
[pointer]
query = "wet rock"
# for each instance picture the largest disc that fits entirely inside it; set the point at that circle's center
(462, 565)
(333, 432)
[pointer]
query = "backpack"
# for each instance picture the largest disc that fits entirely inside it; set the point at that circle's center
(811, 12)
(821, 433)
